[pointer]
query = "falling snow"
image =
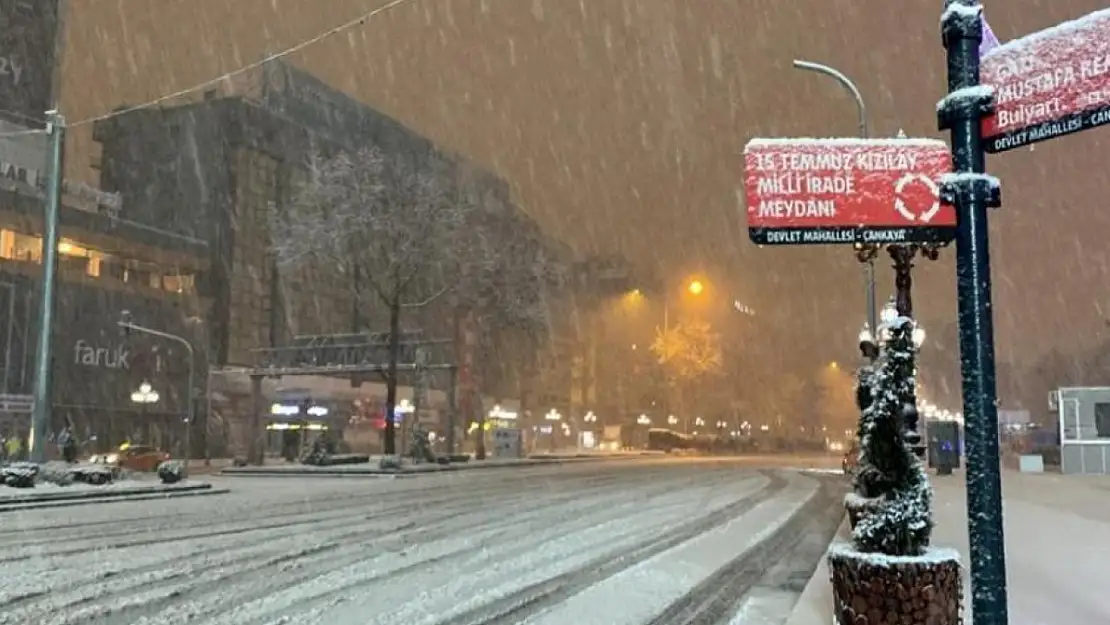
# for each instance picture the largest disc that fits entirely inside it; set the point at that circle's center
(439, 211)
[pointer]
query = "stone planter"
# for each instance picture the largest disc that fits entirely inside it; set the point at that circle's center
(874, 589)
(857, 508)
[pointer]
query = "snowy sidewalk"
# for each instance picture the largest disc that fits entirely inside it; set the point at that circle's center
(1054, 525)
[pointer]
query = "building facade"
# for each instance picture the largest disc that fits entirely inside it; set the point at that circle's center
(215, 169)
(106, 266)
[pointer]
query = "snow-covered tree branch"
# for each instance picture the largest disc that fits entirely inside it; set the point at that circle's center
(412, 233)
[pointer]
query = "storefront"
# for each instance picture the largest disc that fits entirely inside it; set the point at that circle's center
(295, 424)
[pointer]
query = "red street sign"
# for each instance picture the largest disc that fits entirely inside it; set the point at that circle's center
(815, 191)
(1049, 84)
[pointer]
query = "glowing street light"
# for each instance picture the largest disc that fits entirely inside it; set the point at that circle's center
(590, 417)
(695, 287)
(644, 420)
(865, 335)
(889, 313)
(918, 336)
(553, 415)
(673, 420)
(145, 394)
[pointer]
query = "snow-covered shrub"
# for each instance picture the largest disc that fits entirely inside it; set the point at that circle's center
(171, 471)
(890, 478)
(59, 473)
(19, 474)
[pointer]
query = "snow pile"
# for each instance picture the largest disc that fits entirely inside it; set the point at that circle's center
(891, 485)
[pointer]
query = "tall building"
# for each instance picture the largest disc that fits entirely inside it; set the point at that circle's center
(215, 169)
(106, 265)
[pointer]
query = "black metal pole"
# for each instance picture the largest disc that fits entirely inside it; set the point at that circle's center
(902, 257)
(972, 193)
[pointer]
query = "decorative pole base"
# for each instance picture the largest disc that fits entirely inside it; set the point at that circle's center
(873, 589)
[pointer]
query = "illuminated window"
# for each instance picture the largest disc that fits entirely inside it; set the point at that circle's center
(180, 283)
(7, 242)
(26, 248)
(74, 257)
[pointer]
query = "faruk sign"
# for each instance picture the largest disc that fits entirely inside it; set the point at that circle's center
(111, 357)
(1052, 83)
(848, 191)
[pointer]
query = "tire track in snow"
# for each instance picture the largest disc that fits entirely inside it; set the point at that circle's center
(80, 529)
(261, 552)
(27, 547)
(590, 525)
(715, 601)
(517, 606)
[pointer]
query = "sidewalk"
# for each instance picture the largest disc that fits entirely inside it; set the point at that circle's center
(1056, 529)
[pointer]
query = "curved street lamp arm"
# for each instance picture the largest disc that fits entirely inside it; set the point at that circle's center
(165, 335)
(845, 82)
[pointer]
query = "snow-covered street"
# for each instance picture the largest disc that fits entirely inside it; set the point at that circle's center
(660, 541)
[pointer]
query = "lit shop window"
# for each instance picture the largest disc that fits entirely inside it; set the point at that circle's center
(71, 254)
(26, 248)
(75, 257)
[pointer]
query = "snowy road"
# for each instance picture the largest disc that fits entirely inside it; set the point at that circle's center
(615, 543)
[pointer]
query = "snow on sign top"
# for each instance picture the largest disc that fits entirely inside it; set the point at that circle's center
(1062, 32)
(846, 191)
(844, 141)
(1049, 84)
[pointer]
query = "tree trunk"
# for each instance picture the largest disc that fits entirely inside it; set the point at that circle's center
(391, 378)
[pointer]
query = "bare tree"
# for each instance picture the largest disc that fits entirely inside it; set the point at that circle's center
(405, 228)
(507, 284)
(387, 219)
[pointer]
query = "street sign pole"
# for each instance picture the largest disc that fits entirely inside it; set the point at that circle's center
(972, 192)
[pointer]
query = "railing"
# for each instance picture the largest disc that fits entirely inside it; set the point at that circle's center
(352, 352)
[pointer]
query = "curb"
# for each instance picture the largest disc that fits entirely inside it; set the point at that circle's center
(160, 490)
(476, 465)
(815, 604)
(40, 505)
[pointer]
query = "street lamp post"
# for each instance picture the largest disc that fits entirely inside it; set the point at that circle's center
(144, 396)
(555, 417)
(128, 325)
(864, 253)
(912, 436)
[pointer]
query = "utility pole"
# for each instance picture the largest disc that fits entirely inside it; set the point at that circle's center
(41, 408)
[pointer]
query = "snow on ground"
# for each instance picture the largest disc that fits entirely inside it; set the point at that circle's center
(291, 550)
(1054, 528)
(764, 608)
(646, 589)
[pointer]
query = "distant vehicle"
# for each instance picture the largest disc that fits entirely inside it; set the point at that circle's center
(851, 459)
(661, 440)
(141, 458)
